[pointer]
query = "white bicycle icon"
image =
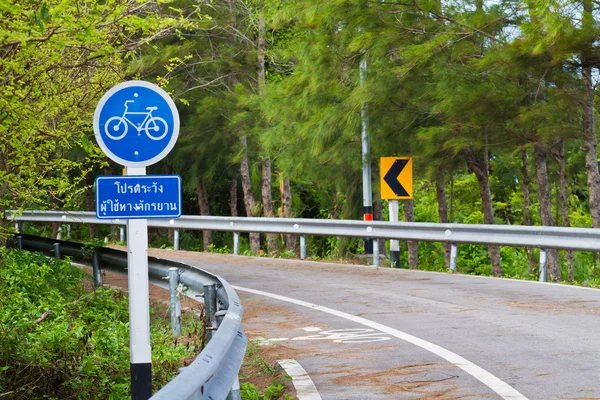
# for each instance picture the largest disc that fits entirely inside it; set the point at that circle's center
(156, 128)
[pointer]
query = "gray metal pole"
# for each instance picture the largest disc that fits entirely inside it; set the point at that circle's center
(59, 233)
(56, 250)
(176, 239)
(96, 269)
(236, 243)
(453, 255)
(20, 242)
(121, 234)
(175, 305)
(376, 252)
(302, 247)
(69, 231)
(543, 260)
(366, 159)
(210, 309)
(394, 244)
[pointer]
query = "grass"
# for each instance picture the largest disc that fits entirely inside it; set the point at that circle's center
(259, 377)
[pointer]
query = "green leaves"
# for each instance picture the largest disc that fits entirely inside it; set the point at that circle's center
(58, 57)
(83, 345)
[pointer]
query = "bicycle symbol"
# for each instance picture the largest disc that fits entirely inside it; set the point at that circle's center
(155, 128)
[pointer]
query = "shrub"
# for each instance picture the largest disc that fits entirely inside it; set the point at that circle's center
(58, 340)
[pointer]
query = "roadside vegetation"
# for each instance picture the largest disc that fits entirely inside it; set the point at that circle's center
(261, 378)
(59, 338)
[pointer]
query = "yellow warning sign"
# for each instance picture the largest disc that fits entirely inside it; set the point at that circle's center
(396, 178)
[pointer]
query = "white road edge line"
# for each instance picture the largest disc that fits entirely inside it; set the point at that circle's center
(305, 388)
(496, 384)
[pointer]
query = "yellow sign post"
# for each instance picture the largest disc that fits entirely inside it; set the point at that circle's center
(396, 178)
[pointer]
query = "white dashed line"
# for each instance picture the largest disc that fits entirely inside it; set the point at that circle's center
(305, 388)
(312, 329)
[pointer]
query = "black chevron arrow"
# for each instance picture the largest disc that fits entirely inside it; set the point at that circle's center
(391, 178)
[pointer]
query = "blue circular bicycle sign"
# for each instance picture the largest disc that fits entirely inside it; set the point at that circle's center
(136, 123)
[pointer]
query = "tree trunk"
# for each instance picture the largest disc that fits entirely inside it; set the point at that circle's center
(171, 233)
(267, 201)
(564, 206)
(440, 191)
(377, 207)
(90, 203)
(413, 247)
(478, 163)
(287, 212)
(539, 151)
(249, 201)
(266, 184)
(261, 46)
(525, 185)
(233, 198)
(378, 216)
(202, 196)
(590, 141)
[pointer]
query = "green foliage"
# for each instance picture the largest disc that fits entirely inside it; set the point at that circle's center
(57, 58)
(219, 250)
(439, 81)
(274, 391)
(260, 366)
(81, 348)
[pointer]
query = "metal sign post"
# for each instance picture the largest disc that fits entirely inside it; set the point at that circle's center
(394, 244)
(366, 160)
(136, 124)
(396, 183)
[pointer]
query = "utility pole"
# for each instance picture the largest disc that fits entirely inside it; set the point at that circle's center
(366, 159)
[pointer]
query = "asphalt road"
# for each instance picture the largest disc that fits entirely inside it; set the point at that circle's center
(539, 340)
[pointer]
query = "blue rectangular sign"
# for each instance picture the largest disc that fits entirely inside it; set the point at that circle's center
(138, 196)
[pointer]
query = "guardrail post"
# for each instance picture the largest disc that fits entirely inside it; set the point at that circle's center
(543, 259)
(219, 317)
(20, 242)
(56, 250)
(235, 394)
(176, 239)
(376, 252)
(17, 227)
(69, 231)
(453, 255)
(302, 247)
(210, 309)
(96, 269)
(236, 243)
(121, 234)
(175, 305)
(59, 233)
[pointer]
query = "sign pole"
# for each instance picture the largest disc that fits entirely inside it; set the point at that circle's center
(139, 307)
(136, 124)
(396, 183)
(394, 244)
(366, 160)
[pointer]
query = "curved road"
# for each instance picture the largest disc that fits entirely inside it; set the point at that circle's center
(400, 334)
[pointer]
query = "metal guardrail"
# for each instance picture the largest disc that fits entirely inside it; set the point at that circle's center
(543, 237)
(214, 371)
(583, 239)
